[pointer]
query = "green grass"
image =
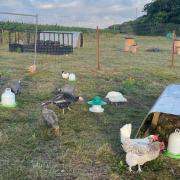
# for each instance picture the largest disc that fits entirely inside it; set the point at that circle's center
(89, 147)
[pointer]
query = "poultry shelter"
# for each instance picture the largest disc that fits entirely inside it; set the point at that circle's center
(77, 37)
(164, 116)
(47, 42)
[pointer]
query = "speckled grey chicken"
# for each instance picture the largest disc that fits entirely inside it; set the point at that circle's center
(139, 151)
(67, 88)
(15, 86)
(50, 119)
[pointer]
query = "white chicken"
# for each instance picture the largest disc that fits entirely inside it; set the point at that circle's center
(140, 154)
(139, 151)
(65, 75)
(125, 133)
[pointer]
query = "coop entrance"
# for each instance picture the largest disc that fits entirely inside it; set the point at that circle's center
(164, 116)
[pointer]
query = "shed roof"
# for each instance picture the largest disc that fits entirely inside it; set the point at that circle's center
(169, 101)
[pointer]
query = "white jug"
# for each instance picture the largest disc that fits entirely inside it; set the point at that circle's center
(72, 77)
(96, 109)
(174, 142)
(8, 98)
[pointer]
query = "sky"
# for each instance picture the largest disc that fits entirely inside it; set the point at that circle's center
(83, 13)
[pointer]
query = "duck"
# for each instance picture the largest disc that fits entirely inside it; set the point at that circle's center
(50, 119)
(115, 97)
(65, 75)
(64, 98)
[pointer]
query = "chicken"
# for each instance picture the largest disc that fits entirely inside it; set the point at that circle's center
(139, 151)
(50, 119)
(125, 133)
(67, 88)
(65, 75)
(15, 86)
(140, 154)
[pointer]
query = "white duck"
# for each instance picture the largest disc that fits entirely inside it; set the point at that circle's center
(65, 75)
(115, 97)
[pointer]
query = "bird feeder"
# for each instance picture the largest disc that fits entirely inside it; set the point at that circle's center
(72, 77)
(176, 45)
(8, 98)
(97, 104)
(173, 149)
(129, 41)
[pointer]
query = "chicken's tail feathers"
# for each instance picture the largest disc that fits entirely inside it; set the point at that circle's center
(125, 132)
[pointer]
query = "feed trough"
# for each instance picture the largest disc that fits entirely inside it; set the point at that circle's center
(164, 116)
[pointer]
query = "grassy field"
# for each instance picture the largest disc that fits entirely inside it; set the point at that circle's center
(89, 147)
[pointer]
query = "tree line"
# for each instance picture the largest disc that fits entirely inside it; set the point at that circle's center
(17, 26)
(161, 16)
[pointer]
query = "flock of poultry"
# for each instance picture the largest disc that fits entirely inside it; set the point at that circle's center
(138, 151)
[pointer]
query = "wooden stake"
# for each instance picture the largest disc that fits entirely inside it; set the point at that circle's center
(155, 119)
(97, 49)
(174, 37)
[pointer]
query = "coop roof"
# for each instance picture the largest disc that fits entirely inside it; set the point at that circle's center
(167, 103)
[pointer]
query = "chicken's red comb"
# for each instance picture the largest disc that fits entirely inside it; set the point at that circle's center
(155, 137)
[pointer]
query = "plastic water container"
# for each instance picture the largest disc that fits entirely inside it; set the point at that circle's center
(8, 98)
(72, 77)
(96, 109)
(174, 142)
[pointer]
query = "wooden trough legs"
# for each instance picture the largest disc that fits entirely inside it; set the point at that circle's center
(154, 123)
